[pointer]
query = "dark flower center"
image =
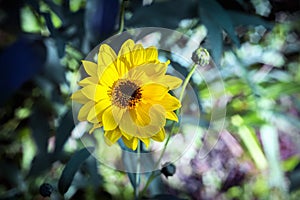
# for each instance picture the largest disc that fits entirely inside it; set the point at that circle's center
(126, 94)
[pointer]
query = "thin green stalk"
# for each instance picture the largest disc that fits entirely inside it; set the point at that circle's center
(138, 169)
(153, 175)
(122, 16)
(186, 81)
(184, 85)
(150, 179)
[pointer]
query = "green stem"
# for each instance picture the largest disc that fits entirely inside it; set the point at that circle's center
(138, 169)
(122, 15)
(186, 81)
(153, 175)
(150, 179)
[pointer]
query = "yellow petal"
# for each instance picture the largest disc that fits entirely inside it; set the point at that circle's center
(151, 54)
(132, 143)
(150, 119)
(146, 141)
(106, 56)
(154, 70)
(88, 81)
(117, 113)
(126, 53)
(79, 97)
(121, 68)
(171, 82)
(154, 91)
(108, 120)
(126, 48)
(112, 136)
(107, 49)
(84, 110)
(172, 116)
(109, 76)
(138, 55)
(169, 102)
(128, 124)
(127, 136)
(160, 136)
(93, 116)
(95, 92)
(146, 73)
(142, 114)
(90, 67)
(95, 126)
(101, 106)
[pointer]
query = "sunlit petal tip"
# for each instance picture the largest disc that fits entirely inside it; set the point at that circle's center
(170, 103)
(132, 143)
(138, 46)
(106, 48)
(95, 92)
(113, 136)
(88, 81)
(107, 141)
(135, 143)
(171, 116)
(79, 97)
(127, 47)
(95, 126)
(173, 82)
(90, 67)
(160, 136)
(84, 110)
(129, 43)
(146, 141)
(92, 115)
(106, 55)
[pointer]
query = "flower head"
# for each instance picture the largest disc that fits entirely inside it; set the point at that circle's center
(128, 94)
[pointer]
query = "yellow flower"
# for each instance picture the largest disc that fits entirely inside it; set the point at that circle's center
(127, 94)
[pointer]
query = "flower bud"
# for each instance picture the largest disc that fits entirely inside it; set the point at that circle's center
(168, 169)
(46, 189)
(201, 56)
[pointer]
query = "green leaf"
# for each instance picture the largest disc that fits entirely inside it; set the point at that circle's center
(290, 163)
(64, 131)
(163, 14)
(239, 18)
(40, 130)
(49, 22)
(277, 89)
(250, 140)
(215, 39)
(71, 168)
(270, 141)
(214, 36)
(214, 11)
(40, 163)
(29, 22)
(92, 168)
